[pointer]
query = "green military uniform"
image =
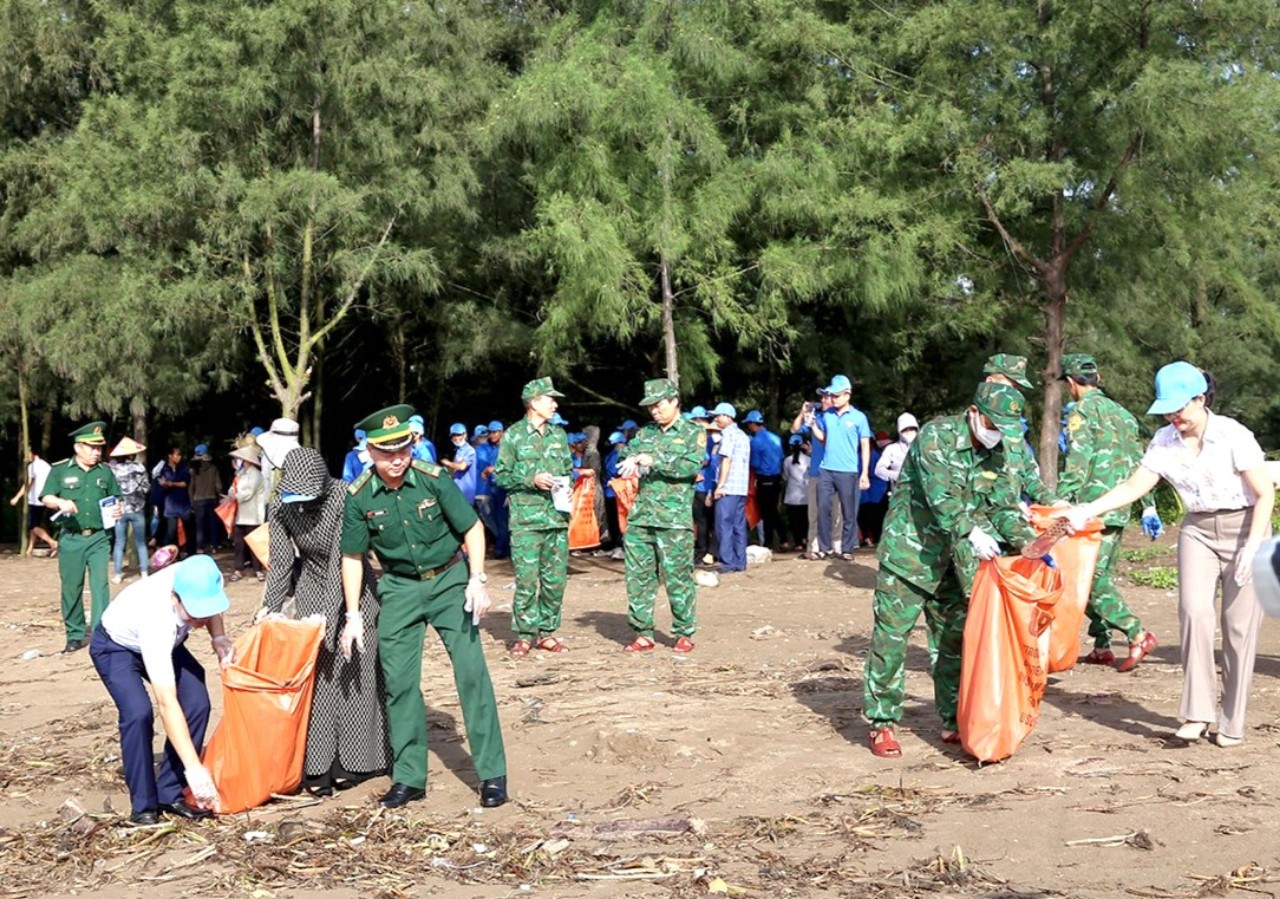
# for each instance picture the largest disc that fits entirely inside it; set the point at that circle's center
(659, 538)
(416, 531)
(84, 541)
(1104, 449)
(1019, 462)
(947, 487)
(539, 532)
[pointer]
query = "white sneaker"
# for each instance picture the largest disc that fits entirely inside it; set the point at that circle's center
(617, 555)
(1227, 742)
(116, 578)
(1191, 731)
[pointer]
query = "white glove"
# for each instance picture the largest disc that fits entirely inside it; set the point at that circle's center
(1244, 562)
(478, 601)
(628, 467)
(352, 634)
(984, 545)
(1077, 517)
(201, 785)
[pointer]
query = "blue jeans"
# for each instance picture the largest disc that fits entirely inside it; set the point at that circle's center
(843, 484)
(501, 522)
(731, 532)
(139, 522)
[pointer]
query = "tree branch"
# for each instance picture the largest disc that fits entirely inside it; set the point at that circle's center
(345, 306)
(1104, 199)
(255, 328)
(1010, 241)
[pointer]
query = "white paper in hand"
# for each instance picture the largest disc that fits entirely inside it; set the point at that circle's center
(562, 494)
(111, 510)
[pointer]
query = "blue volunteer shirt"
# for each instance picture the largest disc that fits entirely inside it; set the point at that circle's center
(610, 472)
(845, 433)
(879, 486)
(425, 451)
(486, 455)
(710, 469)
(466, 480)
(766, 454)
(352, 467)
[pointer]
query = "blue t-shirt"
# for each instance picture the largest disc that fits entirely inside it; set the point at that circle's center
(845, 433)
(766, 454)
(352, 467)
(879, 486)
(610, 472)
(486, 456)
(710, 469)
(466, 480)
(425, 451)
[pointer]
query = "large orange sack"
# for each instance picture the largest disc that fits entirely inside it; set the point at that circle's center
(1006, 649)
(261, 742)
(1077, 558)
(625, 489)
(584, 529)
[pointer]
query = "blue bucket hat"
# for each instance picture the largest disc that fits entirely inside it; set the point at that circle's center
(1177, 384)
(198, 583)
(457, 428)
(754, 417)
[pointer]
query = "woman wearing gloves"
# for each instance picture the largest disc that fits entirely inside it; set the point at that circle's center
(1219, 471)
(141, 638)
(347, 734)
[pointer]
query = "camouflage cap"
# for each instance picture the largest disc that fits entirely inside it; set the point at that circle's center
(1004, 405)
(1078, 364)
(658, 389)
(1012, 367)
(91, 433)
(388, 429)
(538, 387)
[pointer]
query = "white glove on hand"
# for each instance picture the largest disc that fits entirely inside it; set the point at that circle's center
(201, 785)
(1077, 517)
(1244, 562)
(628, 467)
(352, 634)
(984, 545)
(478, 601)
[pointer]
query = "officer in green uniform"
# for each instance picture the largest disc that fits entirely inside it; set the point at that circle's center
(1011, 370)
(667, 454)
(1104, 449)
(532, 455)
(74, 489)
(954, 504)
(415, 519)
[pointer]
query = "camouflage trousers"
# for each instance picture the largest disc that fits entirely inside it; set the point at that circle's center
(897, 606)
(541, 561)
(666, 553)
(1107, 611)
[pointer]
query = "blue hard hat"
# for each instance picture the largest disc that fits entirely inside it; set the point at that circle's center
(839, 384)
(617, 437)
(457, 428)
(198, 583)
(495, 425)
(753, 418)
(725, 409)
(698, 412)
(480, 431)
(1177, 384)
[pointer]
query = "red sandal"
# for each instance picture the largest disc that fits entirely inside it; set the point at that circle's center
(521, 648)
(1138, 651)
(683, 646)
(551, 644)
(951, 737)
(1099, 656)
(883, 743)
(639, 644)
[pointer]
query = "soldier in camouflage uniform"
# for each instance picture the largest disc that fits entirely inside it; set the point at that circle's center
(1103, 450)
(954, 504)
(532, 455)
(667, 453)
(1011, 370)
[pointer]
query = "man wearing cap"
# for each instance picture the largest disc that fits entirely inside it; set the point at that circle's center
(497, 496)
(1011, 370)
(416, 521)
(845, 471)
(206, 488)
(533, 459)
(1104, 450)
(766, 465)
(422, 448)
(803, 425)
(135, 486)
(486, 456)
(142, 638)
(85, 498)
(628, 429)
(733, 481)
(666, 454)
(463, 463)
(953, 506)
(357, 460)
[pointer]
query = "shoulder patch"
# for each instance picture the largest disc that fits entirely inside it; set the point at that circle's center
(427, 468)
(702, 440)
(1075, 422)
(359, 483)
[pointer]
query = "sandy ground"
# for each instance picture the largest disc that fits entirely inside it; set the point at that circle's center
(741, 770)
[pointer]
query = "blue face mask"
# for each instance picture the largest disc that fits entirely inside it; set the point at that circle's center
(297, 498)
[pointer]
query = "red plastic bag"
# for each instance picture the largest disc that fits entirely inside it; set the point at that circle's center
(752, 509)
(1077, 558)
(1006, 649)
(261, 742)
(625, 490)
(584, 530)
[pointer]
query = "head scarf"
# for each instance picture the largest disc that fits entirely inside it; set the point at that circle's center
(304, 473)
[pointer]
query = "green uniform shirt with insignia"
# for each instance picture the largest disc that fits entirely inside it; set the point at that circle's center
(523, 453)
(1104, 449)
(946, 488)
(1025, 472)
(665, 498)
(413, 528)
(67, 480)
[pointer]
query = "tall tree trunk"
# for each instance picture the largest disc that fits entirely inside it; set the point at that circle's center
(669, 323)
(317, 401)
(401, 359)
(24, 451)
(139, 410)
(46, 428)
(1055, 313)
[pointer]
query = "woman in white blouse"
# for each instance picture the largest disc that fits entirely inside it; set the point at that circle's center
(1218, 469)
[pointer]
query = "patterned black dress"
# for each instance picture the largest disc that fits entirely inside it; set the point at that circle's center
(347, 734)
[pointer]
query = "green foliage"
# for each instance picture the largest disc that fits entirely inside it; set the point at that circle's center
(1159, 577)
(1146, 553)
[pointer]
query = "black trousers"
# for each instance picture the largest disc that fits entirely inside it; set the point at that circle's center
(703, 520)
(768, 496)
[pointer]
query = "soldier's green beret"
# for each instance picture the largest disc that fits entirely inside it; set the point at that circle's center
(1012, 367)
(388, 429)
(658, 389)
(1004, 405)
(538, 387)
(1077, 364)
(93, 433)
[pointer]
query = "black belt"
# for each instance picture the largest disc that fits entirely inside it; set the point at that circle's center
(431, 573)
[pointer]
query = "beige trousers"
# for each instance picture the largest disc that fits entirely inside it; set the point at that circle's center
(837, 519)
(1207, 548)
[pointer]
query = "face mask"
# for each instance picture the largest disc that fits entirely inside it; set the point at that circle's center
(909, 437)
(988, 437)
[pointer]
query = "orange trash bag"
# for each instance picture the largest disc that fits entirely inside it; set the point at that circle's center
(261, 742)
(259, 542)
(1006, 647)
(584, 530)
(1077, 558)
(625, 490)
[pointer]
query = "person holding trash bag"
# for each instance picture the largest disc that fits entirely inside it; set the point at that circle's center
(416, 520)
(953, 505)
(1103, 450)
(141, 638)
(1220, 472)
